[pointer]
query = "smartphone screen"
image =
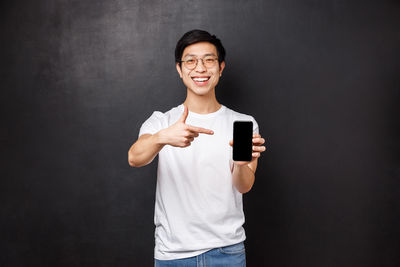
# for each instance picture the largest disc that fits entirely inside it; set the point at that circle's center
(242, 140)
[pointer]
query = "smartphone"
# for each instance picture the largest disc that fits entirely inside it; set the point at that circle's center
(242, 140)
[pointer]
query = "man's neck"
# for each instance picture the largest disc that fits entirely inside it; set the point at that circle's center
(202, 104)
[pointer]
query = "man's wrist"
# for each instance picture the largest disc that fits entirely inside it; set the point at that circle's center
(242, 167)
(159, 138)
(243, 177)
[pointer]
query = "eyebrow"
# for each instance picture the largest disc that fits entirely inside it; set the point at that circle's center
(205, 55)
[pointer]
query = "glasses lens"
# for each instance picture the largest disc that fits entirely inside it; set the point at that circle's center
(190, 63)
(209, 62)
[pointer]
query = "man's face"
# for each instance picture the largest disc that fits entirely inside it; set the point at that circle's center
(200, 80)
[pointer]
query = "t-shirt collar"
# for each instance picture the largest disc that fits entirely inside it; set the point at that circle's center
(204, 116)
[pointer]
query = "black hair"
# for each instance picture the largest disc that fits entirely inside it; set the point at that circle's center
(196, 36)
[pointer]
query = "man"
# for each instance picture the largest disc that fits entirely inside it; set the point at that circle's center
(198, 209)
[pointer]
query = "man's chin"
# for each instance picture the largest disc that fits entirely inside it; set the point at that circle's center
(200, 91)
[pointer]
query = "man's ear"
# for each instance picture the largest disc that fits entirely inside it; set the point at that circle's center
(221, 67)
(178, 68)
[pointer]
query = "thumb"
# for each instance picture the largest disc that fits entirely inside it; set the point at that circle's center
(184, 115)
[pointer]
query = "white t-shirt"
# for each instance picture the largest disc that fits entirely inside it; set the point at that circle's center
(197, 207)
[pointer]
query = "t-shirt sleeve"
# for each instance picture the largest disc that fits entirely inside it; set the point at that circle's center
(153, 124)
(255, 126)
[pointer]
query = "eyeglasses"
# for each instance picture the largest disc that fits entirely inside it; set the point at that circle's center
(208, 62)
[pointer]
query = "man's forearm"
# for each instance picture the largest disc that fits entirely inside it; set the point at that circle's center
(144, 150)
(243, 178)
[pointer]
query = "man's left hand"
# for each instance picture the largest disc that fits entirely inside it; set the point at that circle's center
(258, 147)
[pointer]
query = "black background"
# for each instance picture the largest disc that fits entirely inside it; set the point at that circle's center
(78, 78)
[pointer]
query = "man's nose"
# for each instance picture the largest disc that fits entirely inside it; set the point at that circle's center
(200, 66)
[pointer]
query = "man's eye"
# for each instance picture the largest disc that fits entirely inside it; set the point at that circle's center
(190, 61)
(209, 60)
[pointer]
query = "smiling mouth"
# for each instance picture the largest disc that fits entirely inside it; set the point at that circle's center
(200, 79)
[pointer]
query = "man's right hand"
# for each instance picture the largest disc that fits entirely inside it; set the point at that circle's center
(181, 134)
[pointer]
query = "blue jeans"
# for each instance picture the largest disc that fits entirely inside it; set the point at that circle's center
(229, 256)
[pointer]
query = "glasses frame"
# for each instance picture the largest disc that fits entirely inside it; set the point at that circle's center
(197, 62)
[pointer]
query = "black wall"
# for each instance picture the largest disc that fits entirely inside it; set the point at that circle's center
(78, 78)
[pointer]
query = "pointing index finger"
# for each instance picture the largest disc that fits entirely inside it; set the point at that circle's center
(200, 130)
